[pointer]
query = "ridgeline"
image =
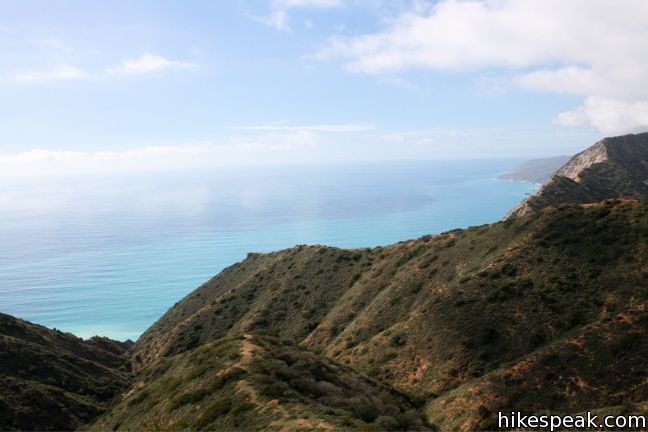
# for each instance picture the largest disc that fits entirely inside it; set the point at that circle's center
(544, 311)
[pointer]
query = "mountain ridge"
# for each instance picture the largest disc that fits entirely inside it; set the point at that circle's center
(615, 167)
(541, 312)
(424, 320)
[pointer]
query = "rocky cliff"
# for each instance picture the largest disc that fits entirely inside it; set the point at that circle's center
(612, 168)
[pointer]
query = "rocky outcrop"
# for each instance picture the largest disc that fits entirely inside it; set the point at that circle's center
(612, 168)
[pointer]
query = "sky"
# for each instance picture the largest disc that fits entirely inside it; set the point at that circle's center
(149, 85)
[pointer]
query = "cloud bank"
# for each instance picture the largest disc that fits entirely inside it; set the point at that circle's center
(252, 145)
(590, 48)
(240, 150)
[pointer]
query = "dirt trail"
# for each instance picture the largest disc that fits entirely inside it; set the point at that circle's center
(247, 350)
(247, 355)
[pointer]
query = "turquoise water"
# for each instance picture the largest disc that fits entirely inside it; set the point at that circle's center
(107, 256)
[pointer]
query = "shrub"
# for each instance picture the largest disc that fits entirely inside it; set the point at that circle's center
(138, 398)
(487, 336)
(274, 390)
(429, 260)
(306, 386)
(388, 423)
(369, 427)
(242, 407)
(216, 409)
(354, 279)
(389, 356)
(409, 420)
(187, 398)
(416, 287)
(397, 340)
(365, 411)
(232, 375)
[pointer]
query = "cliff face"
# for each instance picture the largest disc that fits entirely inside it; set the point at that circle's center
(55, 381)
(612, 168)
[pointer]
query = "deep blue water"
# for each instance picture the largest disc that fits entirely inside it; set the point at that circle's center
(100, 255)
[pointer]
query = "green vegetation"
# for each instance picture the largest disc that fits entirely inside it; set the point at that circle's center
(51, 380)
(270, 382)
(429, 317)
(544, 312)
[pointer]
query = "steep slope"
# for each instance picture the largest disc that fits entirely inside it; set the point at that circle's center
(52, 380)
(256, 383)
(535, 170)
(453, 314)
(568, 376)
(612, 168)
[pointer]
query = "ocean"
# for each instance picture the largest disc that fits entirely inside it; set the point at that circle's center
(108, 255)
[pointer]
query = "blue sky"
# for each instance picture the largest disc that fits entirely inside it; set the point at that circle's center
(92, 85)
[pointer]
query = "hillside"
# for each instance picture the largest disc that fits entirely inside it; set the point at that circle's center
(535, 170)
(612, 168)
(542, 312)
(53, 380)
(256, 382)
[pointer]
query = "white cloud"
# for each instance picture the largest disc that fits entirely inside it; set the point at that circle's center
(394, 137)
(248, 145)
(148, 63)
(317, 4)
(251, 147)
(593, 48)
(38, 162)
(145, 64)
(278, 16)
(278, 141)
(608, 115)
(277, 19)
(331, 128)
(63, 72)
(43, 161)
(571, 79)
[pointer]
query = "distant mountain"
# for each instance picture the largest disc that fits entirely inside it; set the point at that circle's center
(535, 170)
(51, 380)
(612, 168)
(545, 312)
